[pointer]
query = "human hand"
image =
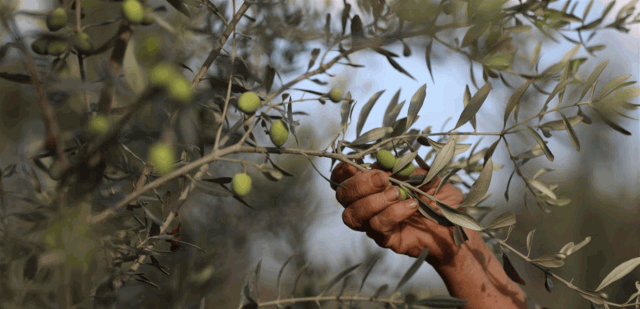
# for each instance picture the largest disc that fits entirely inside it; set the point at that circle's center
(371, 206)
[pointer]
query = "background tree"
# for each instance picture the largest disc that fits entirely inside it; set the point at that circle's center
(73, 227)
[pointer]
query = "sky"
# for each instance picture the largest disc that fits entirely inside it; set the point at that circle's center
(330, 240)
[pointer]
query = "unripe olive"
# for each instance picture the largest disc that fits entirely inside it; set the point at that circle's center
(241, 184)
(278, 133)
(161, 156)
(162, 75)
(132, 11)
(56, 19)
(335, 95)
(407, 170)
(150, 48)
(248, 102)
(39, 46)
(82, 43)
(404, 193)
(98, 124)
(180, 89)
(57, 47)
(386, 159)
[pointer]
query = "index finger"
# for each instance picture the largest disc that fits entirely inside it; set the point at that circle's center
(342, 172)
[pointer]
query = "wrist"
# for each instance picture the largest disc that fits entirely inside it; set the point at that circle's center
(471, 272)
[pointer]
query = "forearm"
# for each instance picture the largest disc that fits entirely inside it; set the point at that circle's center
(483, 284)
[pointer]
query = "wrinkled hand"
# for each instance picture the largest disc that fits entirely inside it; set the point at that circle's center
(372, 206)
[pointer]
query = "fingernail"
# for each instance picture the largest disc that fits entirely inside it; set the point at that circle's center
(413, 204)
(392, 194)
(377, 180)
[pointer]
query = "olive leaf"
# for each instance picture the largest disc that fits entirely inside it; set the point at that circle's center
(443, 158)
(572, 134)
(474, 105)
(428, 58)
(550, 260)
(558, 125)
(530, 241)
(338, 277)
(372, 135)
(542, 144)
(460, 148)
(404, 161)
(466, 99)
(412, 270)
(515, 98)
(480, 187)
(506, 219)
(391, 108)
(609, 86)
(570, 248)
(459, 217)
(542, 188)
(592, 78)
(416, 103)
(366, 109)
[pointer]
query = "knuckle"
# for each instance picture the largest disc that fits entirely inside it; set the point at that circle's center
(348, 220)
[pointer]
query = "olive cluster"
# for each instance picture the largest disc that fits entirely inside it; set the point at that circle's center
(132, 11)
(388, 161)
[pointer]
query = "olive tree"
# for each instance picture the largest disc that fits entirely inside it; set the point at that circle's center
(135, 70)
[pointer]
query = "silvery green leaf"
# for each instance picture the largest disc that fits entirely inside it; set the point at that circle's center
(460, 218)
(560, 86)
(550, 260)
(530, 241)
(390, 108)
(572, 134)
(466, 99)
(403, 161)
(619, 272)
(428, 58)
(366, 274)
(460, 148)
(592, 78)
(542, 188)
(570, 248)
(542, 171)
(610, 123)
(381, 289)
(506, 219)
(534, 55)
(443, 158)
(412, 270)
(364, 114)
(391, 117)
(372, 135)
(338, 277)
(559, 202)
(416, 103)
(476, 102)
(515, 98)
(614, 82)
(480, 188)
(558, 125)
(445, 178)
(542, 144)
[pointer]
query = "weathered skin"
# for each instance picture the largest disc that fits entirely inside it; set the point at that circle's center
(372, 207)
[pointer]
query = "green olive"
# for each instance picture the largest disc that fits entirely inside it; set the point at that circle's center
(278, 133)
(56, 19)
(386, 159)
(335, 95)
(241, 184)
